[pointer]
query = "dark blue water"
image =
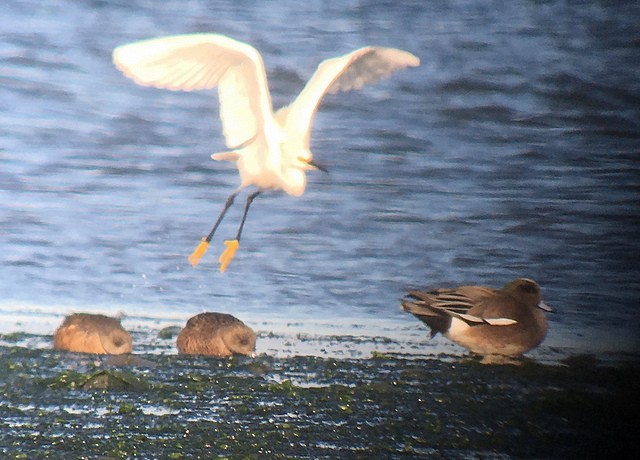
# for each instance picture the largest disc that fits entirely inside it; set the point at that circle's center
(512, 151)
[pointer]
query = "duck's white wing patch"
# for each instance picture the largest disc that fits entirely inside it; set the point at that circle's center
(500, 321)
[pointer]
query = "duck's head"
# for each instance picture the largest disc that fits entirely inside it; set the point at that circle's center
(527, 291)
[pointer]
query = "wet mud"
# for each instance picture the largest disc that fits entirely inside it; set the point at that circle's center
(66, 405)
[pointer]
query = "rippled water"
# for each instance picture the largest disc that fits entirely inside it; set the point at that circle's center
(512, 151)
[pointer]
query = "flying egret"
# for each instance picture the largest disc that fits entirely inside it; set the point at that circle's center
(271, 150)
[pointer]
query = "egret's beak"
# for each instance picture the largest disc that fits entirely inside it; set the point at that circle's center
(315, 165)
(545, 307)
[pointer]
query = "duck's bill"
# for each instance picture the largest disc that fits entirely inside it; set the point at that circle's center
(544, 306)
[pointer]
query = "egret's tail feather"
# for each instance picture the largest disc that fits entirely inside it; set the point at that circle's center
(195, 256)
(227, 255)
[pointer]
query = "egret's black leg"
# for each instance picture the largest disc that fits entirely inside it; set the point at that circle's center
(194, 258)
(246, 210)
(227, 205)
(232, 245)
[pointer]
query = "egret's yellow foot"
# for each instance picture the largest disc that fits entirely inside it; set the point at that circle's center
(227, 255)
(195, 256)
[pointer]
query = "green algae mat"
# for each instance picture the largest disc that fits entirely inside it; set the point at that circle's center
(65, 405)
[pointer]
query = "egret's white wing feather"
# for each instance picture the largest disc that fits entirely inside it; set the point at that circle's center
(370, 64)
(343, 73)
(202, 61)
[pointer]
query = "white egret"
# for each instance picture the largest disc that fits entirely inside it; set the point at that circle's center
(271, 150)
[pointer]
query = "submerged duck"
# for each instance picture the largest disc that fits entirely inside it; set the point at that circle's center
(92, 333)
(495, 323)
(216, 334)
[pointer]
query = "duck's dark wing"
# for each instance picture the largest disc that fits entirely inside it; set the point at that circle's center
(461, 303)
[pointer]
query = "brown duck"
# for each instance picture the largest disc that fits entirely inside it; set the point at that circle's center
(89, 333)
(216, 334)
(503, 322)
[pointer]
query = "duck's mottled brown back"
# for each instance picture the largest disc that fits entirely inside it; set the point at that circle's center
(92, 333)
(216, 334)
(212, 320)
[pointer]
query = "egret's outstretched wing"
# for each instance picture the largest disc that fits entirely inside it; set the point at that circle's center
(343, 73)
(201, 61)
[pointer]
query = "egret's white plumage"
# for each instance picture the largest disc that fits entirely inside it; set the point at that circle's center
(271, 150)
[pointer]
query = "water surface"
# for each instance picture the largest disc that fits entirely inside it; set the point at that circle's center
(512, 151)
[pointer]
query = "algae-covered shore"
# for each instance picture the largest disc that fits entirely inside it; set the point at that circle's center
(66, 405)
